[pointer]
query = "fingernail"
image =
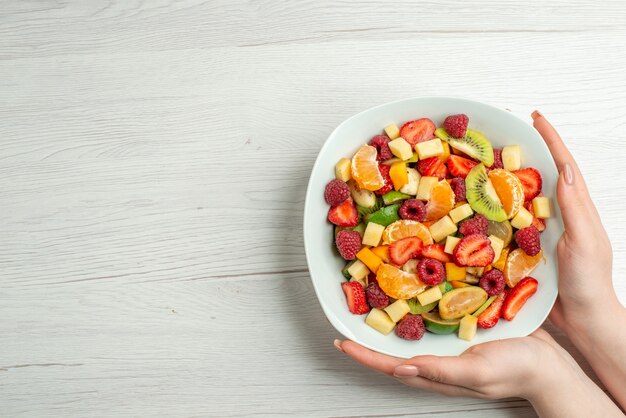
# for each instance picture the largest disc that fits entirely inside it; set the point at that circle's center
(536, 114)
(405, 371)
(568, 173)
(337, 345)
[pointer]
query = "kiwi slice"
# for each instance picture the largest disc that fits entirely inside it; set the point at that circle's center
(474, 144)
(365, 211)
(481, 195)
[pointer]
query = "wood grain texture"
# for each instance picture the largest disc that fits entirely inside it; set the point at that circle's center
(154, 158)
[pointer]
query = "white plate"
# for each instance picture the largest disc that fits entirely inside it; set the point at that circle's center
(501, 128)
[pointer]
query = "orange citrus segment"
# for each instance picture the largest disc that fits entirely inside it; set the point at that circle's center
(404, 229)
(365, 169)
(397, 283)
(509, 189)
(519, 265)
(441, 201)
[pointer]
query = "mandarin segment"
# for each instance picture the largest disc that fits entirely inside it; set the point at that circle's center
(397, 283)
(509, 189)
(404, 229)
(365, 169)
(441, 201)
(519, 265)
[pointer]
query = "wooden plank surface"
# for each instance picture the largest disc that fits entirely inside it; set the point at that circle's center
(153, 165)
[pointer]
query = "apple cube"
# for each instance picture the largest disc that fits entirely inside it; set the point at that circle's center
(523, 219)
(541, 207)
(371, 260)
(497, 244)
(460, 213)
(413, 183)
(401, 149)
(363, 281)
(431, 148)
(392, 131)
(429, 296)
(511, 157)
(467, 327)
(451, 243)
(343, 170)
(425, 187)
(454, 272)
(380, 321)
(373, 233)
(442, 228)
(397, 310)
(358, 270)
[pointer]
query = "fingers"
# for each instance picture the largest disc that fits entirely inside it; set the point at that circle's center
(459, 371)
(373, 360)
(444, 389)
(553, 140)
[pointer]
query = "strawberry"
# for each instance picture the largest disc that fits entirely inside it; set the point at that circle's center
(344, 214)
(518, 296)
(419, 130)
(459, 166)
(435, 251)
(531, 182)
(474, 251)
(432, 167)
(490, 316)
(405, 249)
(355, 296)
(540, 224)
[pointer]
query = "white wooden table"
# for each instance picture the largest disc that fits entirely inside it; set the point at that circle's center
(153, 163)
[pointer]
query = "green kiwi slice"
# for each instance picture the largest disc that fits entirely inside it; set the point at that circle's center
(474, 144)
(481, 195)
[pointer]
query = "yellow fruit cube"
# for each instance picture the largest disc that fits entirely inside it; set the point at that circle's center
(459, 213)
(451, 243)
(511, 157)
(399, 175)
(373, 233)
(371, 260)
(401, 149)
(431, 148)
(380, 321)
(397, 310)
(429, 296)
(358, 270)
(343, 170)
(497, 244)
(454, 272)
(414, 181)
(392, 131)
(446, 151)
(425, 187)
(523, 219)
(382, 252)
(363, 281)
(467, 327)
(541, 207)
(442, 228)
(501, 261)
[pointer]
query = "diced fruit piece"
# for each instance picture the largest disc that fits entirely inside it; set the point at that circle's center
(528, 239)
(459, 166)
(345, 271)
(531, 182)
(493, 282)
(418, 308)
(442, 228)
(441, 201)
(344, 214)
(481, 195)
(456, 125)
(371, 260)
(417, 131)
(410, 266)
(451, 243)
(484, 306)
(403, 250)
(477, 225)
(343, 171)
(362, 282)
(429, 296)
(382, 252)
(362, 197)
(380, 321)
(446, 151)
(432, 167)
(436, 252)
(399, 175)
(467, 327)
(454, 272)
(406, 228)
(511, 157)
(355, 296)
(458, 284)
(365, 169)
(474, 251)
(384, 216)
(518, 296)
(430, 148)
(425, 187)
(461, 212)
(358, 270)
(538, 223)
(459, 302)
(413, 209)
(437, 325)
(348, 243)
(431, 272)
(375, 296)
(401, 149)
(397, 283)
(501, 261)
(519, 265)
(411, 328)
(523, 219)
(394, 197)
(502, 230)
(474, 144)
(490, 316)
(413, 182)
(541, 207)
(497, 244)
(373, 234)
(397, 310)
(392, 131)
(509, 190)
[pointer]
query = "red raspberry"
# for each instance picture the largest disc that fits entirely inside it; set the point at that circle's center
(413, 209)
(381, 143)
(375, 296)
(492, 282)
(458, 187)
(477, 225)
(336, 192)
(348, 243)
(529, 240)
(384, 170)
(411, 327)
(431, 271)
(497, 159)
(456, 125)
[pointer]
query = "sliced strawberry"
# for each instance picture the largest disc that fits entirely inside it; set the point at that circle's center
(540, 224)
(355, 296)
(518, 296)
(459, 166)
(442, 172)
(405, 249)
(345, 214)
(474, 251)
(418, 131)
(531, 182)
(432, 167)
(490, 316)
(436, 252)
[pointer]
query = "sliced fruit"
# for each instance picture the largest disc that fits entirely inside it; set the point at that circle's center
(410, 266)
(459, 166)
(523, 219)
(454, 272)
(360, 228)
(364, 198)
(380, 321)
(392, 131)
(474, 144)
(481, 195)
(474, 251)
(358, 270)
(446, 152)
(398, 284)
(531, 182)
(399, 175)
(445, 287)
(405, 249)
(425, 187)
(490, 316)
(502, 230)
(344, 214)
(460, 212)
(417, 308)
(355, 296)
(395, 197)
(467, 328)
(541, 207)
(401, 149)
(382, 251)
(345, 271)
(343, 171)
(451, 243)
(417, 131)
(429, 296)
(500, 263)
(511, 157)
(509, 190)
(365, 169)
(430, 148)
(442, 228)
(471, 279)
(461, 301)
(458, 284)
(432, 167)
(372, 234)
(397, 310)
(485, 305)
(437, 252)
(414, 180)
(519, 265)
(437, 325)
(498, 245)
(406, 228)
(371, 260)
(384, 216)
(518, 296)
(441, 201)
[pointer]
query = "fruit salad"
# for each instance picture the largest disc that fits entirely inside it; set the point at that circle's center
(439, 229)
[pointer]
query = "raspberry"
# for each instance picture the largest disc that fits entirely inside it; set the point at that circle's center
(458, 187)
(497, 158)
(348, 243)
(492, 282)
(413, 209)
(381, 143)
(456, 125)
(411, 327)
(528, 240)
(336, 192)
(384, 170)
(431, 271)
(376, 297)
(477, 225)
